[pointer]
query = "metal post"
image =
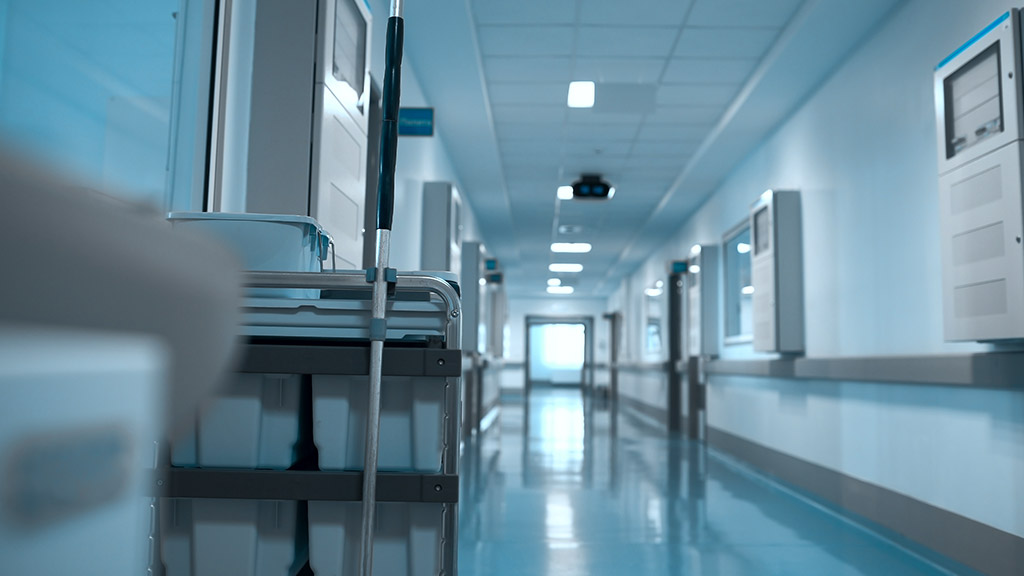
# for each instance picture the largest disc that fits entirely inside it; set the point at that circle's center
(380, 292)
(378, 327)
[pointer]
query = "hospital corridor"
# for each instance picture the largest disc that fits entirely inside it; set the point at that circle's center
(512, 287)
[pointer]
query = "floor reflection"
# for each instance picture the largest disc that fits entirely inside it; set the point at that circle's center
(567, 487)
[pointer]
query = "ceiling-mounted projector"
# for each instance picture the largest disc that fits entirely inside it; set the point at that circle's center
(592, 187)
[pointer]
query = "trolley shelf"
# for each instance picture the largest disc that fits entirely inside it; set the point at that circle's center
(350, 360)
(302, 485)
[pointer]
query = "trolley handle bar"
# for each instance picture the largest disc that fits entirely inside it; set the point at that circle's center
(355, 280)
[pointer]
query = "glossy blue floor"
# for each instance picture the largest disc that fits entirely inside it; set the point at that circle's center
(560, 486)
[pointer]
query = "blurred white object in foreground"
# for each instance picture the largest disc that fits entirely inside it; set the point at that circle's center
(78, 432)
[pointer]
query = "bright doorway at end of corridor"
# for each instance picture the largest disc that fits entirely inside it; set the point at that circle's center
(556, 353)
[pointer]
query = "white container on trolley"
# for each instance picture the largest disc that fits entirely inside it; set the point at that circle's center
(212, 537)
(265, 242)
(253, 423)
(407, 541)
(411, 422)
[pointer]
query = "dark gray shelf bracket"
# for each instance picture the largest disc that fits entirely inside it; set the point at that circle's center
(349, 360)
(301, 485)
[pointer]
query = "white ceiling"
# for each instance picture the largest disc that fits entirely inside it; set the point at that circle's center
(723, 73)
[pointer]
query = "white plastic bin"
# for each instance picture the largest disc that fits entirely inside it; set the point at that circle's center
(253, 423)
(265, 242)
(206, 537)
(407, 541)
(411, 422)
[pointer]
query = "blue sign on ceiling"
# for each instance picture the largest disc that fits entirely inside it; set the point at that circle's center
(416, 122)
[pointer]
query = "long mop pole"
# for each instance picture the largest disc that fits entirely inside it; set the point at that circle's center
(378, 327)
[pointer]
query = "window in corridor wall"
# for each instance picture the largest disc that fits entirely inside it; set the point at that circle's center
(111, 93)
(738, 289)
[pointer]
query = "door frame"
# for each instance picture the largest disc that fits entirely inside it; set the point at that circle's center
(587, 374)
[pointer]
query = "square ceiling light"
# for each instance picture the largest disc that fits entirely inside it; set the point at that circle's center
(581, 94)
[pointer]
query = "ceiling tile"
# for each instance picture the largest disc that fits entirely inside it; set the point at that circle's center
(656, 176)
(643, 70)
(696, 94)
(687, 114)
(513, 162)
(522, 146)
(525, 40)
(598, 132)
(673, 132)
(532, 189)
(534, 69)
(524, 11)
(589, 116)
(511, 113)
(708, 71)
(553, 94)
(635, 12)
(591, 164)
(620, 41)
(528, 130)
(606, 147)
(672, 148)
(774, 13)
(659, 162)
(725, 42)
(531, 171)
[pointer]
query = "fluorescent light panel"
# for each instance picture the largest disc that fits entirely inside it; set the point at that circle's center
(581, 94)
(565, 267)
(554, 282)
(560, 290)
(571, 247)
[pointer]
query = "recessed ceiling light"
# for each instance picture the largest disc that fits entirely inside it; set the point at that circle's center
(565, 267)
(581, 94)
(554, 282)
(565, 192)
(571, 247)
(560, 290)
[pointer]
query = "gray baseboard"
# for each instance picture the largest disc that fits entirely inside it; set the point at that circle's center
(659, 414)
(976, 545)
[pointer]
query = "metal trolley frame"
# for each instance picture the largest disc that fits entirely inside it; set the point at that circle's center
(350, 358)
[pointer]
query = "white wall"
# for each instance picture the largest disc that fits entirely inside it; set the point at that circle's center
(862, 152)
(86, 90)
(419, 159)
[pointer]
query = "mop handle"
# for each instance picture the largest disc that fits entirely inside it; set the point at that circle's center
(389, 128)
(378, 330)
